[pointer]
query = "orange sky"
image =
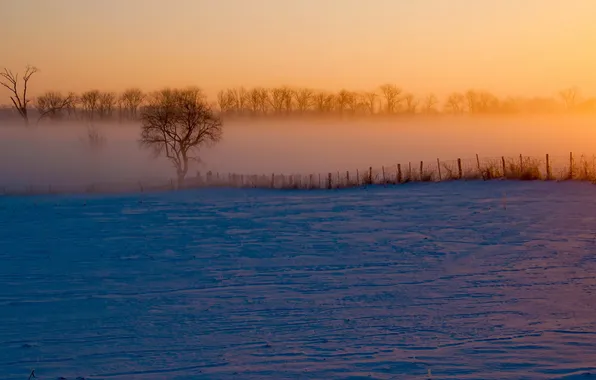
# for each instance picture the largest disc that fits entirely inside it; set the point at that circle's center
(518, 47)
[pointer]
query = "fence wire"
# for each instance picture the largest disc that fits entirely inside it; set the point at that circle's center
(557, 168)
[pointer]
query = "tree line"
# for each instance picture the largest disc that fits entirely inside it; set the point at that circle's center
(387, 99)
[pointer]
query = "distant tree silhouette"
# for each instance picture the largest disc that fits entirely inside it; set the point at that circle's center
(106, 103)
(90, 103)
(52, 104)
(131, 99)
(429, 106)
(370, 101)
(389, 99)
(176, 123)
(304, 99)
(455, 103)
(392, 95)
(411, 103)
(570, 96)
(18, 96)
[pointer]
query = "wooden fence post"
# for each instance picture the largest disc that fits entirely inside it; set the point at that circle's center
(357, 177)
(571, 165)
(504, 166)
(439, 166)
(399, 173)
(273, 180)
(338, 180)
(521, 163)
(310, 184)
(460, 171)
(329, 182)
(421, 169)
(548, 173)
(348, 178)
(478, 164)
(370, 178)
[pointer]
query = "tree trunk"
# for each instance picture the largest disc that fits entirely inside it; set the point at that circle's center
(181, 172)
(181, 176)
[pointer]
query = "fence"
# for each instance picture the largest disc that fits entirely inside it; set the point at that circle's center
(572, 167)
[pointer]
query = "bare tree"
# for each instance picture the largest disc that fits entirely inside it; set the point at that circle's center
(455, 103)
(225, 102)
(304, 99)
(392, 97)
(131, 99)
(411, 103)
(430, 104)
(288, 99)
(51, 104)
(471, 98)
(90, 102)
(258, 100)
(176, 123)
(19, 98)
(370, 99)
(276, 98)
(343, 100)
(570, 96)
(487, 102)
(241, 95)
(94, 139)
(107, 101)
(71, 108)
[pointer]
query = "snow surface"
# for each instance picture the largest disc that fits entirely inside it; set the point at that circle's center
(477, 280)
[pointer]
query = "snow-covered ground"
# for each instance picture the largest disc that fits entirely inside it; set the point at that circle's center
(477, 280)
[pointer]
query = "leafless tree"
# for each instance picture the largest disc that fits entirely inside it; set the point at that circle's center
(471, 99)
(343, 100)
(90, 102)
(95, 140)
(288, 97)
(455, 103)
(225, 102)
(176, 123)
(241, 95)
(107, 102)
(131, 99)
(570, 96)
(430, 104)
(51, 104)
(304, 99)
(487, 102)
(18, 96)
(411, 103)
(276, 99)
(258, 100)
(392, 97)
(370, 99)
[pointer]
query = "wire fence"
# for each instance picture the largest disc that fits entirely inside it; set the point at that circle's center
(529, 168)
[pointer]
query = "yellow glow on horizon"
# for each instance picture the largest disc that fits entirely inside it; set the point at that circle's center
(510, 47)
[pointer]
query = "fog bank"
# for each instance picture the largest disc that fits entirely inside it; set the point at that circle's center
(60, 154)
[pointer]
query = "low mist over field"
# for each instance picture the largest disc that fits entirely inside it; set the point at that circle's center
(63, 154)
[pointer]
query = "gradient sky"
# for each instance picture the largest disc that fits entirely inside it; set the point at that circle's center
(519, 47)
